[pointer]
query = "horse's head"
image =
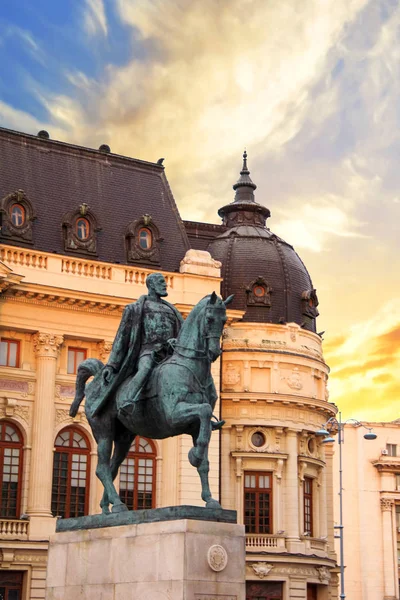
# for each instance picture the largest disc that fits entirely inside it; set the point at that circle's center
(213, 324)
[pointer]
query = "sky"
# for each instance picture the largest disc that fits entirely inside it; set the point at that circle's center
(309, 87)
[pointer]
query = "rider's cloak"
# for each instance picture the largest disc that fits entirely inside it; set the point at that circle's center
(124, 354)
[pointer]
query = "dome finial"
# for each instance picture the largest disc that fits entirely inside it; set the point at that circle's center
(244, 170)
(244, 180)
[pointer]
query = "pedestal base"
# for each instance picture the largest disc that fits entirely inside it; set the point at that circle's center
(171, 560)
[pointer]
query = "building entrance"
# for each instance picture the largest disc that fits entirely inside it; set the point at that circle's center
(312, 591)
(265, 590)
(11, 585)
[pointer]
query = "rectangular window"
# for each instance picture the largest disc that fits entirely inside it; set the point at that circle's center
(308, 505)
(9, 353)
(398, 517)
(75, 357)
(397, 488)
(258, 502)
(392, 449)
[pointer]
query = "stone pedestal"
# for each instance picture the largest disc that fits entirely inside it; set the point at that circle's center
(168, 560)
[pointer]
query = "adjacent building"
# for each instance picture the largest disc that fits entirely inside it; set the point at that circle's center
(80, 231)
(371, 510)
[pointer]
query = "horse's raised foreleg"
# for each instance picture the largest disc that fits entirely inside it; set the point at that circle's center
(187, 414)
(103, 472)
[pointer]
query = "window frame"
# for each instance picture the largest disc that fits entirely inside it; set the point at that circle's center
(149, 233)
(70, 450)
(392, 450)
(14, 445)
(75, 350)
(9, 341)
(136, 455)
(23, 211)
(308, 497)
(257, 491)
(86, 221)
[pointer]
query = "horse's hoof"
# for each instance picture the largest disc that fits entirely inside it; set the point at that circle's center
(213, 504)
(117, 508)
(215, 425)
(194, 460)
(105, 511)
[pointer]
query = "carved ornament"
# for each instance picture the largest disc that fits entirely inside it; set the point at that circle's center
(294, 380)
(259, 293)
(386, 504)
(13, 409)
(261, 569)
(104, 349)
(231, 375)
(217, 558)
(47, 344)
(324, 575)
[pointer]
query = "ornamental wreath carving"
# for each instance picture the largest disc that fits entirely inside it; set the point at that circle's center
(294, 380)
(217, 558)
(261, 569)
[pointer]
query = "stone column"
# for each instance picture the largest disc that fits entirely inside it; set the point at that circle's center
(47, 347)
(292, 493)
(388, 558)
(239, 490)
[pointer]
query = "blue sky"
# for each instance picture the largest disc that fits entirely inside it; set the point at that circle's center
(310, 88)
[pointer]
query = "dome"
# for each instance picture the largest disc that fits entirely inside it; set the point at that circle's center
(268, 278)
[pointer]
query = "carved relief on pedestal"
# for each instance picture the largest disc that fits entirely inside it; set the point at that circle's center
(47, 344)
(231, 376)
(261, 569)
(217, 558)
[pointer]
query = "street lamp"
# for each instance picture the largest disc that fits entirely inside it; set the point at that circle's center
(325, 432)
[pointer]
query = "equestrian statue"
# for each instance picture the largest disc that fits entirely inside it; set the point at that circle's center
(157, 384)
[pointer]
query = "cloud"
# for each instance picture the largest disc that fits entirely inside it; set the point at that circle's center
(364, 379)
(94, 17)
(30, 44)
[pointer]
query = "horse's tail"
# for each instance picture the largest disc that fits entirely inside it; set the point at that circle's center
(86, 369)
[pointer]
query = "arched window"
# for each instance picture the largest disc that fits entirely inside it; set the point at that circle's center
(10, 470)
(82, 229)
(70, 490)
(17, 213)
(145, 238)
(137, 476)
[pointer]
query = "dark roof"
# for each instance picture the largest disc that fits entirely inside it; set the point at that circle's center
(58, 177)
(251, 253)
(201, 234)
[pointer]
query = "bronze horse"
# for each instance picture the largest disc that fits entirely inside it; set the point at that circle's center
(178, 398)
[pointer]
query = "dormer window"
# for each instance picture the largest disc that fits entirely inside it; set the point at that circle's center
(145, 238)
(17, 213)
(79, 229)
(82, 229)
(16, 217)
(259, 293)
(142, 239)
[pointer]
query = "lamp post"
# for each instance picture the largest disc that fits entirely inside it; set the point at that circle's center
(325, 432)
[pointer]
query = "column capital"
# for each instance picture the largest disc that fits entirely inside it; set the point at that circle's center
(47, 344)
(386, 504)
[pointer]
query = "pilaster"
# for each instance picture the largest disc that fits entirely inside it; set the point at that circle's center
(389, 570)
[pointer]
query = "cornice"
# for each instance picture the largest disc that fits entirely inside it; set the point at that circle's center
(283, 399)
(390, 464)
(255, 454)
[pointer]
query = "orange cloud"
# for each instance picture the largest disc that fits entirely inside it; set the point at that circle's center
(365, 367)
